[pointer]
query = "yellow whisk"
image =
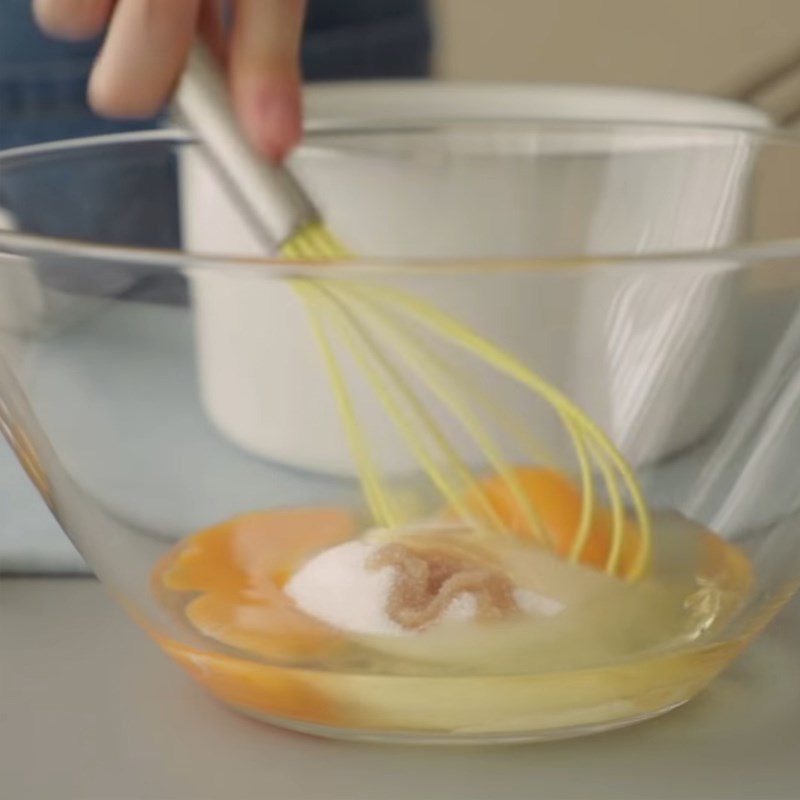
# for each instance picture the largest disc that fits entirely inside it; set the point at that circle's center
(380, 326)
(377, 325)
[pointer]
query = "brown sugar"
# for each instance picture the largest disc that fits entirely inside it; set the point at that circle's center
(429, 579)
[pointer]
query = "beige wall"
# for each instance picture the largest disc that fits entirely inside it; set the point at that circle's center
(704, 45)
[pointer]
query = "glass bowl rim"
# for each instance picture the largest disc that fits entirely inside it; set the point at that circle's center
(33, 245)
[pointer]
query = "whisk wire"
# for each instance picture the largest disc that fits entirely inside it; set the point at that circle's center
(347, 306)
(409, 415)
(462, 337)
(504, 418)
(441, 383)
(377, 499)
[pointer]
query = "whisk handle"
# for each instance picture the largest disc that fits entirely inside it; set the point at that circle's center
(269, 194)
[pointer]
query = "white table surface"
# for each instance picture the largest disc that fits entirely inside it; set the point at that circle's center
(91, 710)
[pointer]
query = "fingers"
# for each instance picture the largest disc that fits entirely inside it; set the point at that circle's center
(144, 52)
(264, 64)
(212, 29)
(148, 41)
(72, 19)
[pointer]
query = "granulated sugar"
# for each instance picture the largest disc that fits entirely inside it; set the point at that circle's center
(337, 587)
(343, 587)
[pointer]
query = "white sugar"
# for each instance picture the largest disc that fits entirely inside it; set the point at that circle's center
(537, 604)
(337, 587)
(462, 608)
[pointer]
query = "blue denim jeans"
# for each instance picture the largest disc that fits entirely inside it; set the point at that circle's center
(42, 98)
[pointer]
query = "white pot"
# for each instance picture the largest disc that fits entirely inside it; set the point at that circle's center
(262, 378)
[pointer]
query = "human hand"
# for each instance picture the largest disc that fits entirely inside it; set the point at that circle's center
(147, 43)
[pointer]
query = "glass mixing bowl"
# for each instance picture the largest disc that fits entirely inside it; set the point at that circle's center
(162, 385)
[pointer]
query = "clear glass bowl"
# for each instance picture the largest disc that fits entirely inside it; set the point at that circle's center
(161, 384)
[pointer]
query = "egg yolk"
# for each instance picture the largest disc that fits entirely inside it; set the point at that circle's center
(236, 571)
(558, 505)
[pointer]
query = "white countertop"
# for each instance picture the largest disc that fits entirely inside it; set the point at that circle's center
(91, 710)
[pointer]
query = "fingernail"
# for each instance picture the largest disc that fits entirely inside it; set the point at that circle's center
(272, 121)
